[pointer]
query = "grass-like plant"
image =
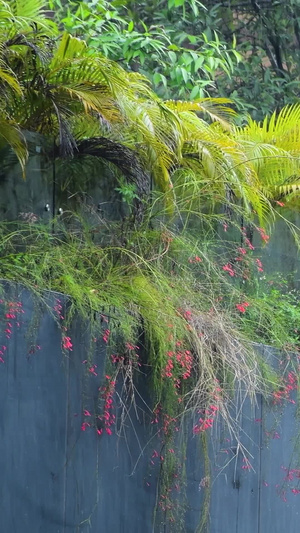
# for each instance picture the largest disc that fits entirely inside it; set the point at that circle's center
(165, 289)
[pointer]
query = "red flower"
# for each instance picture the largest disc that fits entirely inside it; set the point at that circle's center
(249, 244)
(195, 259)
(92, 370)
(67, 344)
(259, 265)
(263, 235)
(242, 251)
(228, 268)
(242, 307)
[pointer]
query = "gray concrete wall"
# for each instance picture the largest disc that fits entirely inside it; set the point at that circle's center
(56, 478)
(91, 192)
(281, 255)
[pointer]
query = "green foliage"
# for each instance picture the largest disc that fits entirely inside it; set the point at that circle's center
(149, 285)
(179, 63)
(189, 49)
(25, 15)
(127, 192)
(166, 279)
(268, 39)
(275, 317)
(86, 105)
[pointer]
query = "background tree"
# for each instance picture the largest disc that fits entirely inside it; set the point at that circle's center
(190, 49)
(158, 40)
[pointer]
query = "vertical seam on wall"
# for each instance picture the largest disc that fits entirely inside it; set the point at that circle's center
(237, 509)
(259, 465)
(237, 489)
(66, 446)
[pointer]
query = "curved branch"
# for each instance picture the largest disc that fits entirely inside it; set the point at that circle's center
(125, 159)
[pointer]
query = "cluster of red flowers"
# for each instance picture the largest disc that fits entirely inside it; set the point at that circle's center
(108, 418)
(292, 475)
(2, 350)
(272, 434)
(156, 413)
(207, 421)
(117, 358)
(106, 335)
(242, 251)
(185, 360)
(132, 357)
(168, 502)
(92, 370)
(259, 265)
(263, 235)
(14, 310)
(187, 314)
(168, 422)
(246, 239)
(242, 307)
(66, 343)
(195, 259)
(249, 244)
(179, 365)
(225, 226)
(85, 424)
(228, 268)
(168, 370)
(164, 505)
(289, 385)
(58, 309)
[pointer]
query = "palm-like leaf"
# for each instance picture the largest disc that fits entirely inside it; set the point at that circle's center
(273, 149)
(217, 163)
(24, 15)
(217, 109)
(72, 94)
(10, 134)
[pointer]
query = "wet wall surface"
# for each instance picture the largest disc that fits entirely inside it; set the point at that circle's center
(57, 478)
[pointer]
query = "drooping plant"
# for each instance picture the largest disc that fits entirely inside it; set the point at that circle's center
(179, 297)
